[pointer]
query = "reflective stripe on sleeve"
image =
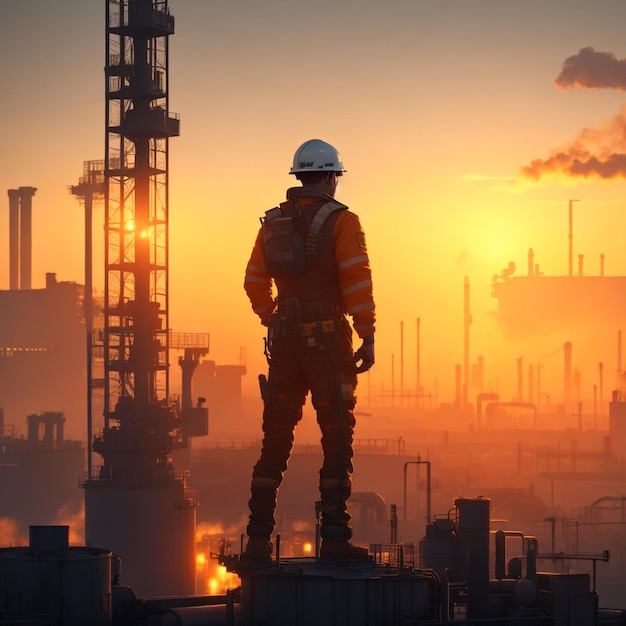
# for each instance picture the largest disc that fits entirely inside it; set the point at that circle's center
(255, 268)
(367, 306)
(362, 258)
(362, 285)
(255, 279)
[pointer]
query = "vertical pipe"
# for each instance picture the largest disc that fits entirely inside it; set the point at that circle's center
(418, 381)
(531, 260)
(428, 492)
(580, 264)
(26, 196)
(602, 265)
(401, 363)
(601, 377)
(571, 241)
(394, 524)
(520, 385)
(571, 237)
(619, 358)
(467, 320)
(88, 308)
(531, 383)
(567, 374)
(393, 381)
(14, 238)
(595, 406)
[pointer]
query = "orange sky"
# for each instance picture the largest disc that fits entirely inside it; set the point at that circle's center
(436, 108)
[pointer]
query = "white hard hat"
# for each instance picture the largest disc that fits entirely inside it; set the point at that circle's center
(316, 155)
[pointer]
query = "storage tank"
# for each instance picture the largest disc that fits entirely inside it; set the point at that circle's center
(437, 548)
(66, 586)
(304, 592)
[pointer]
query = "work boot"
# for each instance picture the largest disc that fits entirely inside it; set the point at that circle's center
(342, 550)
(258, 549)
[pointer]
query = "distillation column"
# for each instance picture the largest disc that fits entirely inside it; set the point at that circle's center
(136, 504)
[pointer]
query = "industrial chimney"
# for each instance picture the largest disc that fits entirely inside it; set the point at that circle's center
(20, 237)
(14, 238)
(26, 236)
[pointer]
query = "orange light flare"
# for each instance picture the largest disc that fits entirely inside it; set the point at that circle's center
(213, 578)
(218, 580)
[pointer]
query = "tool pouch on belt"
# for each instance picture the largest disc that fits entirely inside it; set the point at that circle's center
(277, 326)
(318, 335)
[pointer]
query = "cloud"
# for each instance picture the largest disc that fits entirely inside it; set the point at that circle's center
(592, 70)
(595, 152)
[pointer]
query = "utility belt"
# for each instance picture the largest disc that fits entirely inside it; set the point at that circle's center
(314, 323)
(298, 311)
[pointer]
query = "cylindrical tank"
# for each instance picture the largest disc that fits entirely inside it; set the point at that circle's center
(68, 586)
(473, 529)
(152, 530)
(437, 548)
(307, 593)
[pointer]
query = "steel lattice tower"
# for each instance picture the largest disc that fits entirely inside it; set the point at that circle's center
(138, 128)
(136, 503)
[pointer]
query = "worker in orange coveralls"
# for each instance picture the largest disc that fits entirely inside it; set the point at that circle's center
(312, 248)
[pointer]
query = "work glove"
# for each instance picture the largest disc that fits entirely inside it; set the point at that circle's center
(365, 354)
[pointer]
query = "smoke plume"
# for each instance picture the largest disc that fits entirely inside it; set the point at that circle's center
(592, 70)
(595, 152)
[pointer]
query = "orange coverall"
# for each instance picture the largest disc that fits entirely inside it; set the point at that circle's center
(310, 349)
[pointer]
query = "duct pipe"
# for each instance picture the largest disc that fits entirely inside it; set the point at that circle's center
(14, 238)
(26, 237)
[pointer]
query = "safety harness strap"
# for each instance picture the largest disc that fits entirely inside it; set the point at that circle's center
(316, 225)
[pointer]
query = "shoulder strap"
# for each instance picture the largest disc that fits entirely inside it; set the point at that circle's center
(316, 225)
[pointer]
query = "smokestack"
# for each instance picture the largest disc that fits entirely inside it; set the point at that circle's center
(26, 237)
(14, 238)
